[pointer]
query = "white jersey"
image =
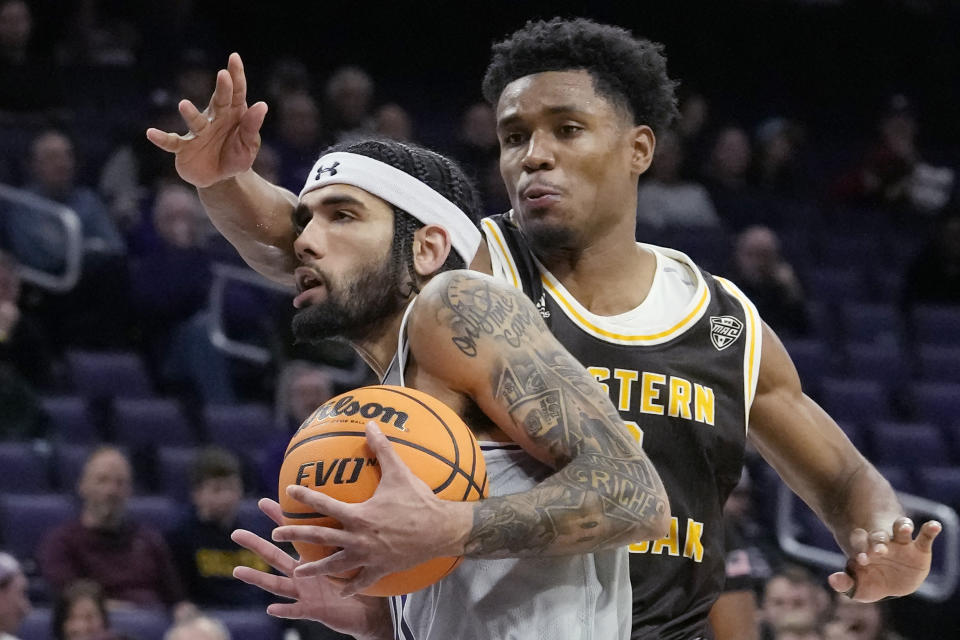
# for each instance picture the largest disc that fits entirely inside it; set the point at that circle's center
(577, 597)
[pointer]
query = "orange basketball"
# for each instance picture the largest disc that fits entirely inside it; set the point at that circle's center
(329, 453)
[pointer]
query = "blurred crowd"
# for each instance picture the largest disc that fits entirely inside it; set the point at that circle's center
(812, 233)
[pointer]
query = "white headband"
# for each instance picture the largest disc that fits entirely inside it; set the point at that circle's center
(400, 189)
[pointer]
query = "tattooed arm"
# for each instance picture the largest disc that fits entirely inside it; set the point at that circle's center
(488, 341)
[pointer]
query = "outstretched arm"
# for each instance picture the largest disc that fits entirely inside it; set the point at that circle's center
(487, 341)
(819, 463)
(216, 157)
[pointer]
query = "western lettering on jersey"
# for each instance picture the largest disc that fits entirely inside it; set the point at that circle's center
(672, 543)
(659, 394)
(341, 470)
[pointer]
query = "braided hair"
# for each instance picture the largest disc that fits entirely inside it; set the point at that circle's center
(437, 172)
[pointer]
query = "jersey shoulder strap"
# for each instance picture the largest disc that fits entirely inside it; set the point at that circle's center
(510, 258)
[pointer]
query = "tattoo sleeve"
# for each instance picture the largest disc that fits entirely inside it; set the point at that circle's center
(605, 491)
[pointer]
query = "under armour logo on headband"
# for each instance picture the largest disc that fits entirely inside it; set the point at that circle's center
(332, 170)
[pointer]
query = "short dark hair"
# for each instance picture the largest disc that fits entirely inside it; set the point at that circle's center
(438, 172)
(212, 463)
(630, 72)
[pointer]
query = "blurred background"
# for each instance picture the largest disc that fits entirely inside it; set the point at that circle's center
(815, 164)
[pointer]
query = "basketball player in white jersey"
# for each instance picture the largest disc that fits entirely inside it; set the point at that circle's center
(376, 221)
(574, 139)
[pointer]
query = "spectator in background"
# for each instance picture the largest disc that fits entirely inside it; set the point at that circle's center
(691, 126)
(726, 177)
(392, 121)
(770, 281)
(29, 87)
(39, 241)
(287, 75)
(133, 171)
(169, 290)
(933, 276)
(348, 94)
(747, 535)
(854, 620)
(195, 76)
(14, 603)
(25, 360)
(298, 138)
(80, 613)
(301, 388)
(798, 630)
(793, 597)
(478, 151)
(267, 164)
(100, 37)
(129, 560)
(201, 545)
(198, 628)
(777, 168)
(665, 200)
(94, 313)
(893, 172)
(477, 145)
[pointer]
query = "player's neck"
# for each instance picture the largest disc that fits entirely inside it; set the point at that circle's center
(379, 347)
(481, 262)
(610, 276)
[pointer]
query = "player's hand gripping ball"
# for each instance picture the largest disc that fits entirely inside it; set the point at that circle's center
(329, 453)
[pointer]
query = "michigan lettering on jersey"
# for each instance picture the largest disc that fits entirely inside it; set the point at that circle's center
(657, 394)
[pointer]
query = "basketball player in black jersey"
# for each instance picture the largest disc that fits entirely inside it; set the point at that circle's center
(577, 105)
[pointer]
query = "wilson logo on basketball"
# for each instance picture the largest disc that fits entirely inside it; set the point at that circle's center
(724, 331)
(340, 470)
(347, 406)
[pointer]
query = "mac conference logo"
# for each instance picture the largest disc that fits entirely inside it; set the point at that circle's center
(724, 331)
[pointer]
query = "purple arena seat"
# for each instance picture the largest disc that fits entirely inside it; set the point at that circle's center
(936, 325)
(909, 444)
(24, 468)
(97, 374)
(26, 519)
(36, 626)
(143, 422)
(854, 400)
(159, 512)
(941, 483)
(173, 471)
(881, 362)
(242, 428)
(68, 419)
(142, 624)
(937, 363)
(936, 402)
(871, 323)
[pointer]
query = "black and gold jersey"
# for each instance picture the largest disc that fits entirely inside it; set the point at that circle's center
(684, 389)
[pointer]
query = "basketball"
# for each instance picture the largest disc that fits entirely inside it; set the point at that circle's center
(329, 453)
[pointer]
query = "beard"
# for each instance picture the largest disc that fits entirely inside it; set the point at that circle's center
(354, 308)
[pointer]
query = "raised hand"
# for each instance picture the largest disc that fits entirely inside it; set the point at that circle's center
(882, 567)
(401, 525)
(314, 597)
(224, 138)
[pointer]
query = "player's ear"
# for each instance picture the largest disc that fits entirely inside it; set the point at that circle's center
(643, 143)
(431, 246)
